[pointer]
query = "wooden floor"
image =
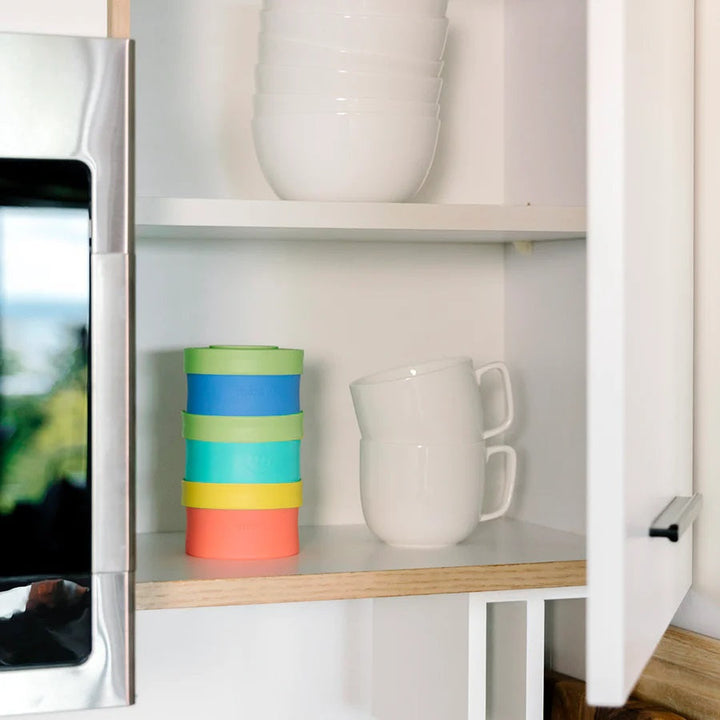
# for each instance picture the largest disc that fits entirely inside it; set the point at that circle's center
(681, 682)
(684, 674)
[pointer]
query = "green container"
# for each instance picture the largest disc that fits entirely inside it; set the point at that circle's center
(242, 429)
(243, 360)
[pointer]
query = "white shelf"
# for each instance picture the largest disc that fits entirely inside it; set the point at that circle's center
(343, 562)
(165, 217)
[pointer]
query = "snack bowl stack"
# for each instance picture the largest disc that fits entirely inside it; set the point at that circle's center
(347, 92)
(242, 430)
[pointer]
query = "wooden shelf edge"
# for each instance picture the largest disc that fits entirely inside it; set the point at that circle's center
(355, 585)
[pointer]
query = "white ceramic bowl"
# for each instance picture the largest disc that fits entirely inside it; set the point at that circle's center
(406, 8)
(416, 37)
(280, 104)
(345, 83)
(274, 50)
(345, 157)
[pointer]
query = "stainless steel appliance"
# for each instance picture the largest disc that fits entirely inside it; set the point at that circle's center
(66, 373)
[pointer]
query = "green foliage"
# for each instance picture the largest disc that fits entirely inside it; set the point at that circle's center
(10, 363)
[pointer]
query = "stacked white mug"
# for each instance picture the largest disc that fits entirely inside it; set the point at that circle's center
(423, 452)
(346, 104)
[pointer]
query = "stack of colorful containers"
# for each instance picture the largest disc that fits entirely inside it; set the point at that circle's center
(242, 431)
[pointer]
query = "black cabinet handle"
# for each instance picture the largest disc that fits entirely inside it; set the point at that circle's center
(676, 518)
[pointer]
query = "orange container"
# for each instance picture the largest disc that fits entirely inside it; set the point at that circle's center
(242, 534)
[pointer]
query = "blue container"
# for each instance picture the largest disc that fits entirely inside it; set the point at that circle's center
(219, 462)
(256, 395)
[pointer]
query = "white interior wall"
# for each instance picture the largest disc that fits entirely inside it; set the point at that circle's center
(506, 628)
(420, 658)
(310, 661)
(70, 17)
(544, 102)
(545, 109)
(545, 351)
(565, 635)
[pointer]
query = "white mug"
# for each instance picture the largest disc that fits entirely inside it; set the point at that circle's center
(436, 401)
(428, 495)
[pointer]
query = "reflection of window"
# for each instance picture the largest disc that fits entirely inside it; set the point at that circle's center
(44, 306)
(45, 489)
(44, 255)
(45, 622)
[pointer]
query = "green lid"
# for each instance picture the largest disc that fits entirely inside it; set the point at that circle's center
(243, 360)
(242, 429)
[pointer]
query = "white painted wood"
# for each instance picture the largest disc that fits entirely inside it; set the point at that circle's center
(189, 218)
(310, 661)
(161, 556)
(420, 658)
(49, 17)
(544, 102)
(545, 349)
(565, 636)
(534, 658)
(556, 593)
(639, 328)
(706, 578)
(506, 661)
(477, 657)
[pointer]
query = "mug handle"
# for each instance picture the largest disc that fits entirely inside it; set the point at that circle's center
(510, 472)
(502, 369)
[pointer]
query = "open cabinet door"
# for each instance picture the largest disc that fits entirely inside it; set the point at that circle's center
(640, 328)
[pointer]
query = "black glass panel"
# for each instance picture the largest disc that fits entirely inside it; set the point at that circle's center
(45, 488)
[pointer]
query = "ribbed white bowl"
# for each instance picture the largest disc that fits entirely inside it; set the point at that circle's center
(274, 50)
(282, 103)
(345, 157)
(413, 37)
(345, 83)
(405, 8)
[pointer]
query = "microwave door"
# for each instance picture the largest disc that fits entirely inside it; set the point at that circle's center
(45, 463)
(66, 374)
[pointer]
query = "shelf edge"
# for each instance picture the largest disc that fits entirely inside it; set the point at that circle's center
(156, 595)
(162, 217)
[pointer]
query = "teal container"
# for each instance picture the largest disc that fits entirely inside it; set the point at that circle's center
(229, 462)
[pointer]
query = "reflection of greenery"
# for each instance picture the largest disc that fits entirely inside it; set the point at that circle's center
(47, 434)
(10, 362)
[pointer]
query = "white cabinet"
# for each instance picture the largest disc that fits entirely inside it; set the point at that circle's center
(640, 328)
(219, 260)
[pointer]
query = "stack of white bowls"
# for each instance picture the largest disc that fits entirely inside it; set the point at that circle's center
(347, 93)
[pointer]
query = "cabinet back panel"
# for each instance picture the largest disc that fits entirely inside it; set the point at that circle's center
(354, 308)
(545, 100)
